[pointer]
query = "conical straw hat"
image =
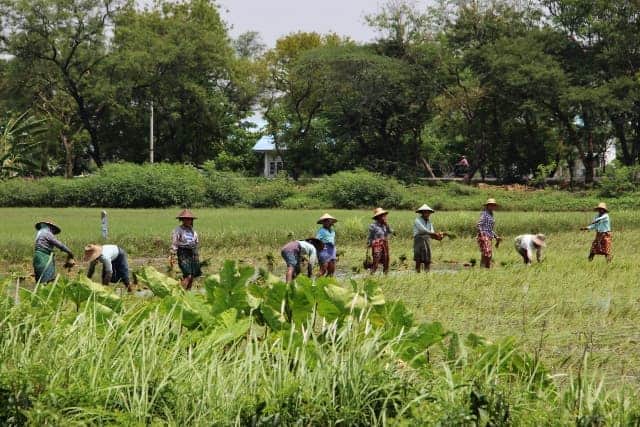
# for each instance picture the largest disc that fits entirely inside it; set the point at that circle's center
(377, 212)
(54, 228)
(92, 252)
(325, 217)
(423, 208)
(186, 213)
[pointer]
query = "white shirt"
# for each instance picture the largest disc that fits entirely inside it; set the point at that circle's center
(308, 249)
(525, 242)
(109, 254)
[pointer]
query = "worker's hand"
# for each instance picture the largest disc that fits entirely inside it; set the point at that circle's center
(498, 240)
(70, 263)
(438, 236)
(172, 261)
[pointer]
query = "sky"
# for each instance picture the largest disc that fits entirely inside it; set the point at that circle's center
(276, 18)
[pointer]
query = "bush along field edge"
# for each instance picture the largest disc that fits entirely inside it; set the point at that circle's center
(126, 185)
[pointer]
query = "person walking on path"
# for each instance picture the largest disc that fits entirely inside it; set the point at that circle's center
(526, 244)
(293, 252)
(602, 225)
(423, 232)
(378, 240)
(115, 266)
(44, 265)
(486, 234)
(327, 235)
(184, 244)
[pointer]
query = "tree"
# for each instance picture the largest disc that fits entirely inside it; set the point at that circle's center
(66, 39)
(199, 90)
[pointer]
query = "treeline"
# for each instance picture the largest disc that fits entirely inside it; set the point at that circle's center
(520, 88)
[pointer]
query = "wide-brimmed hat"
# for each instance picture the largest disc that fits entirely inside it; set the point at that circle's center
(92, 252)
(539, 239)
(186, 213)
(423, 208)
(54, 228)
(601, 206)
(325, 217)
(377, 212)
(491, 202)
(317, 243)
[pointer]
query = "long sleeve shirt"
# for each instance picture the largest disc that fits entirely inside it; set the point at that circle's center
(378, 231)
(309, 250)
(326, 236)
(602, 223)
(109, 254)
(422, 227)
(46, 241)
(486, 223)
(184, 237)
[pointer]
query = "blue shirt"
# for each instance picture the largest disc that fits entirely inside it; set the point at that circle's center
(422, 227)
(326, 236)
(602, 224)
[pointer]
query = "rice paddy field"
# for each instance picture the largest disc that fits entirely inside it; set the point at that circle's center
(577, 319)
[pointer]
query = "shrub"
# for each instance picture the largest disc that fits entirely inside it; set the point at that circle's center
(618, 181)
(271, 193)
(359, 189)
(224, 188)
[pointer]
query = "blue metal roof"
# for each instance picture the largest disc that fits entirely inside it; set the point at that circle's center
(265, 144)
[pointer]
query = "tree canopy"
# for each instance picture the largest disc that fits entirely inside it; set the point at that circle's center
(518, 87)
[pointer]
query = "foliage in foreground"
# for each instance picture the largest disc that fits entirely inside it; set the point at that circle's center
(254, 351)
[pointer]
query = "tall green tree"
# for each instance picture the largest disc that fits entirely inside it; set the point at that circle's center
(178, 57)
(66, 41)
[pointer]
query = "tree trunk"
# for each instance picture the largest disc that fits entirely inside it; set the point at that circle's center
(618, 127)
(68, 151)
(427, 167)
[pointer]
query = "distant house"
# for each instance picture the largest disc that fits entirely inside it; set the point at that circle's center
(272, 161)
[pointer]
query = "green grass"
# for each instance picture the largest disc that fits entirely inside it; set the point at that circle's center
(560, 310)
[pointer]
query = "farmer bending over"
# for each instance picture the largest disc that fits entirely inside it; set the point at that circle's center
(293, 252)
(527, 243)
(115, 267)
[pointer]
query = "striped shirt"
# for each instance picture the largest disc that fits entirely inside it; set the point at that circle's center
(184, 237)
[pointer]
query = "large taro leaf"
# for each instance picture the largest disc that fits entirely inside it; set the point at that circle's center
(189, 309)
(394, 316)
(274, 308)
(230, 291)
(49, 295)
(160, 284)
(308, 298)
(228, 328)
(82, 288)
(415, 342)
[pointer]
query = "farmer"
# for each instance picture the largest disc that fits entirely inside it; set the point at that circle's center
(486, 233)
(422, 233)
(525, 244)
(184, 243)
(327, 235)
(602, 224)
(115, 267)
(293, 252)
(44, 265)
(378, 240)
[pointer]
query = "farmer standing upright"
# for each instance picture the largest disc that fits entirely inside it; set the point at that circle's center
(378, 240)
(44, 265)
(423, 232)
(327, 235)
(602, 225)
(184, 244)
(486, 234)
